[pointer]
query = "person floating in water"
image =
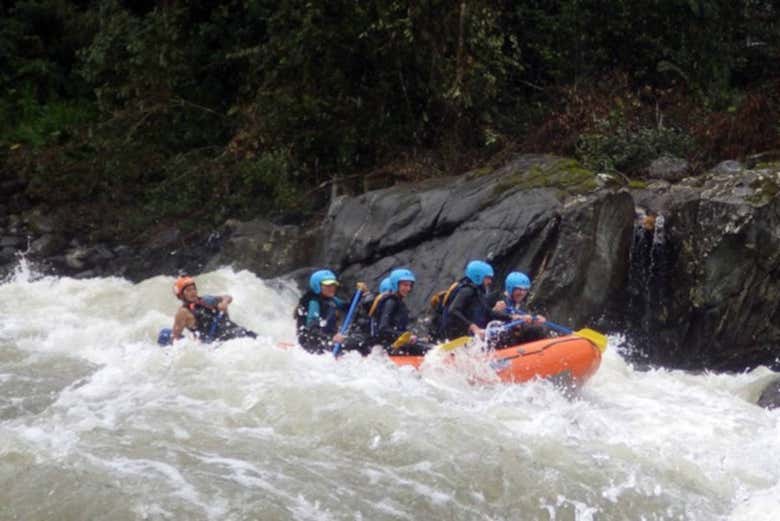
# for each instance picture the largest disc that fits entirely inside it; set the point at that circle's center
(206, 317)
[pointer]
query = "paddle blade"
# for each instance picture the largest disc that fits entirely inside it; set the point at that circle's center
(402, 340)
(595, 337)
(454, 344)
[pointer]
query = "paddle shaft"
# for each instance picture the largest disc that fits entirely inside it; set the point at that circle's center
(516, 311)
(594, 336)
(347, 321)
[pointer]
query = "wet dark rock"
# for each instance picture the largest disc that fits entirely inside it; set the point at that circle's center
(167, 237)
(122, 250)
(47, 244)
(14, 220)
(18, 203)
(668, 168)
(86, 274)
(12, 241)
(728, 167)
(763, 158)
(264, 248)
(12, 186)
(7, 255)
(770, 397)
(99, 254)
(75, 258)
(704, 286)
(40, 223)
(438, 226)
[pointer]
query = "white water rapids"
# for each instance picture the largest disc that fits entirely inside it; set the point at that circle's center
(98, 422)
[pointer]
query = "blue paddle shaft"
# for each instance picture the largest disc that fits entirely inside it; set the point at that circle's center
(347, 320)
(552, 325)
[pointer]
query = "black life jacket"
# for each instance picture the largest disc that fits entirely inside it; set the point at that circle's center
(477, 312)
(208, 320)
(362, 320)
(327, 310)
(400, 320)
(439, 302)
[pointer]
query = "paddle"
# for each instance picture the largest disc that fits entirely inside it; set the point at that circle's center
(454, 344)
(594, 336)
(590, 334)
(401, 340)
(347, 320)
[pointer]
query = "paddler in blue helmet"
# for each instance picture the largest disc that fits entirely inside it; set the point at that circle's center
(390, 317)
(467, 311)
(317, 315)
(510, 306)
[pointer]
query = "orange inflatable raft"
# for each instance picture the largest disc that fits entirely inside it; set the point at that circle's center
(567, 360)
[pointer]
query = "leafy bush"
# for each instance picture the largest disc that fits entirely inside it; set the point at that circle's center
(26, 121)
(615, 147)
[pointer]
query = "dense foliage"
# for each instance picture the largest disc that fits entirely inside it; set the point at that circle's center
(203, 110)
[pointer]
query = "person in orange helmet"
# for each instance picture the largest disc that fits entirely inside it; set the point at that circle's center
(207, 316)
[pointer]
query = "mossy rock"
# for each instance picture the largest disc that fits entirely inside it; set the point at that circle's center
(764, 190)
(637, 184)
(567, 175)
(768, 165)
(479, 172)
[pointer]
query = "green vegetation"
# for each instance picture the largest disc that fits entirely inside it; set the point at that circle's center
(198, 111)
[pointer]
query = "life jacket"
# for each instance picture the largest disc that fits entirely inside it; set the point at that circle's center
(208, 319)
(326, 310)
(477, 313)
(376, 312)
(439, 302)
(511, 306)
(362, 319)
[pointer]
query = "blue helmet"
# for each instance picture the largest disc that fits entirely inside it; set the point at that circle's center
(400, 275)
(516, 280)
(384, 286)
(477, 270)
(321, 277)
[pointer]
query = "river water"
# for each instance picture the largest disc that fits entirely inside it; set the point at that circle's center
(97, 422)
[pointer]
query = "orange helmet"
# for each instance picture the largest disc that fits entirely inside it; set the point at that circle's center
(181, 283)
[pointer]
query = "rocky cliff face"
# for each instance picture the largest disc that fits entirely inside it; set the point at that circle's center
(530, 215)
(709, 291)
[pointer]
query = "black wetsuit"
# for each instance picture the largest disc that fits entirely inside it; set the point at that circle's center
(317, 321)
(391, 320)
(211, 324)
(469, 305)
